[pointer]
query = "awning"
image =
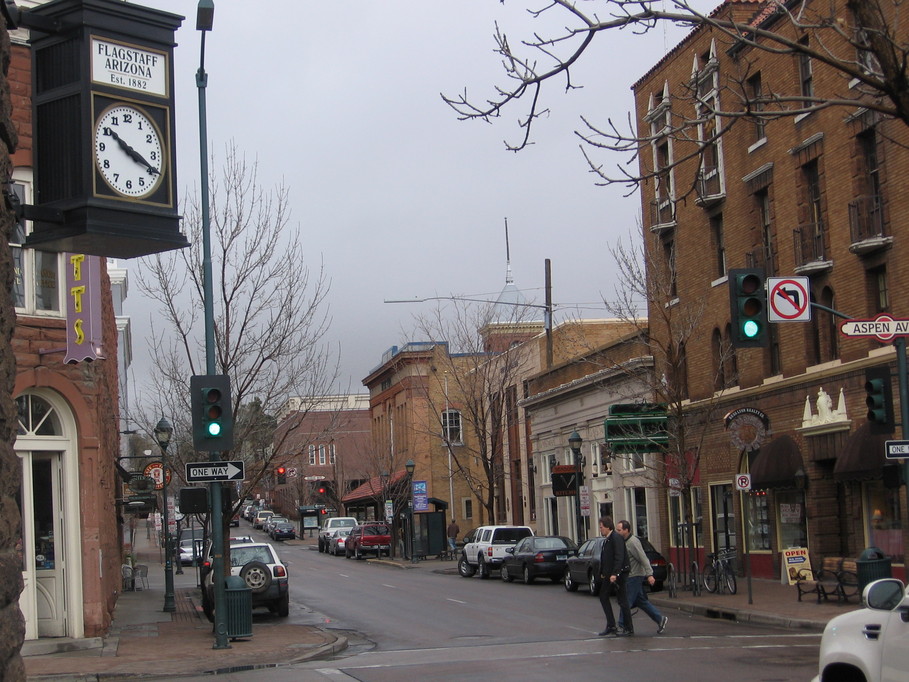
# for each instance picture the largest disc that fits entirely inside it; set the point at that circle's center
(372, 489)
(776, 464)
(441, 505)
(862, 457)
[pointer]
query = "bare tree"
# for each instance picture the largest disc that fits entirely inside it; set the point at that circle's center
(480, 374)
(863, 41)
(270, 315)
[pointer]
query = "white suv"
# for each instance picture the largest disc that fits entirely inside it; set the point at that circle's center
(484, 548)
(261, 569)
(872, 643)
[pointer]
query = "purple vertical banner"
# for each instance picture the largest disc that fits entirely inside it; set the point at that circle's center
(83, 308)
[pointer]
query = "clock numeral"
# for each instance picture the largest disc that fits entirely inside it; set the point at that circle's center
(129, 184)
(106, 163)
(154, 156)
(148, 139)
(102, 147)
(141, 182)
(105, 131)
(115, 120)
(127, 118)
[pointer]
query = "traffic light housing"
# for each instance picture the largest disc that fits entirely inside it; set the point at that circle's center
(879, 400)
(321, 490)
(281, 475)
(748, 308)
(213, 421)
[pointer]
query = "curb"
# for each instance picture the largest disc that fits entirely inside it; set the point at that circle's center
(740, 616)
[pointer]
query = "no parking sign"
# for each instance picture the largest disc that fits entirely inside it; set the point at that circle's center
(743, 482)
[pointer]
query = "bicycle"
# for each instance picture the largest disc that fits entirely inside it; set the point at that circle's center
(695, 579)
(672, 581)
(720, 574)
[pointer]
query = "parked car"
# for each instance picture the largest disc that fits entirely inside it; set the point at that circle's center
(332, 524)
(484, 548)
(271, 521)
(584, 568)
(262, 571)
(538, 556)
(187, 555)
(282, 530)
(338, 540)
(235, 520)
(368, 538)
(261, 517)
(249, 512)
(868, 643)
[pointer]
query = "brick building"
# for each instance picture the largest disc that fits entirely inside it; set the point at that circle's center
(68, 438)
(814, 195)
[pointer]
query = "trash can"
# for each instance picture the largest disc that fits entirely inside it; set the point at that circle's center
(870, 566)
(238, 607)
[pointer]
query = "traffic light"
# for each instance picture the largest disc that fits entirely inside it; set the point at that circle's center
(879, 400)
(281, 475)
(213, 422)
(748, 308)
(321, 490)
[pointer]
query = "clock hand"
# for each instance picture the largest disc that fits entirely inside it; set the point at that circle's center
(132, 153)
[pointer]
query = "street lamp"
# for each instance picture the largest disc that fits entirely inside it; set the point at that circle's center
(163, 432)
(205, 15)
(410, 466)
(574, 442)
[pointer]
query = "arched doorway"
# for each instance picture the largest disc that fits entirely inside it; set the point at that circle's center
(49, 505)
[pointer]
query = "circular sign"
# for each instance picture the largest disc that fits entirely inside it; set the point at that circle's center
(156, 471)
(743, 482)
(789, 300)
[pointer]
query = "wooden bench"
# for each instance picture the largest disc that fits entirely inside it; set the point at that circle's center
(837, 577)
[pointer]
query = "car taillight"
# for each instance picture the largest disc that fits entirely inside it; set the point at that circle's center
(279, 571)
(206, 564)
(489, 551)
(538, 557)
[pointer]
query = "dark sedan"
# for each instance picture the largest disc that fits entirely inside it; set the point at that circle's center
(538, 556)
(584, 569)
(282, 530)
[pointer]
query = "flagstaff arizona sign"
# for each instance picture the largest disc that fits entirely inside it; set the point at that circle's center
(129, 66)
(882, 327)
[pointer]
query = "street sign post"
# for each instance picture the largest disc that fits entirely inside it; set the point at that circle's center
(789, 299)
(883, 328)
(211, 472)
(897, 449)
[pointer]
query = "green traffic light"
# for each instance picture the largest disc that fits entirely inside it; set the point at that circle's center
(214, 429)
(751, 329)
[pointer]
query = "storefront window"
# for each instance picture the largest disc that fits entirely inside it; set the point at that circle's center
(758, 519)
(882, 518)
(680, 535)
(793, 530)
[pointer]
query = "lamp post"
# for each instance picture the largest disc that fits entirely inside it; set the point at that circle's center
(574, 442)
(205, 15)
(163, 432)
(410, 466)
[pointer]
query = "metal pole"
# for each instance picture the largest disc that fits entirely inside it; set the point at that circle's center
(217, 529)
(900, 344)
(179, 570)
(169, 604)
(413, 529)
(577, 494)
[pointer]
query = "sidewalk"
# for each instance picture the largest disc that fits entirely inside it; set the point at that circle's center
(144, 640)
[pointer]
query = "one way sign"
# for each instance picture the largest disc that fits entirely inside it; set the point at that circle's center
(209, 472)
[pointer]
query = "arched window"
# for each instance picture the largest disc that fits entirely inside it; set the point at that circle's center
(37, 417)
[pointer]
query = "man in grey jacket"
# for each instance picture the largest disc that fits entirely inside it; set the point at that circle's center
(640, 571)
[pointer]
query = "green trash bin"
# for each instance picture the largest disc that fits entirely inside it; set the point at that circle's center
(871, 565)
(238, 607)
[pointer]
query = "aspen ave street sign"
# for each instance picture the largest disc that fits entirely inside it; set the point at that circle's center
(210, 472)
(882, 327)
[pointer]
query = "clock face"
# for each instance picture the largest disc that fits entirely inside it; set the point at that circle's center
(129, 152)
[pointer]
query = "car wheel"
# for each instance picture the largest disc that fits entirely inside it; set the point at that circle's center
(321, 547)
(357, 554)
(527, 577)
(482, 568)
(593, 584)
(506, 576)
(570, 584)
(464, 568)
(283, 605)
(208, 608)
(256, 576)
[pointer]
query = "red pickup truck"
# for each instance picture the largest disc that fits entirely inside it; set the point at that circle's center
(372, 538)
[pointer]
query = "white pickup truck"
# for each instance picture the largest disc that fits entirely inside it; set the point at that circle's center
(872, 643)
(484, 548)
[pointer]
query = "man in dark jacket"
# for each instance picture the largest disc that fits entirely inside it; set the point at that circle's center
(614, 569)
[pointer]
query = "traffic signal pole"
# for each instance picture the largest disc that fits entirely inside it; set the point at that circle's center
(900, 344)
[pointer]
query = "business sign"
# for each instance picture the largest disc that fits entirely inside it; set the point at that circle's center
(210, 472)
(83, 308)
(420, 497)
(794, 560)
(130, 67)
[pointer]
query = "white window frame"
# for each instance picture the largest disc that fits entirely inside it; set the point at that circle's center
(322, 460)
(448, 429)
(312, 455)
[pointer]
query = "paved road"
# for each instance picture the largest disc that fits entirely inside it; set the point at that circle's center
(430, 625)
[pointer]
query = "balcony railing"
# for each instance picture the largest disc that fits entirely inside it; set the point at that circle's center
(761, 257)
(810, 248)
(662, 215)
(710, 187)
(866, 224)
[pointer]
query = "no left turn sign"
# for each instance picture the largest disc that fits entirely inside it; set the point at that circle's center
(788, 300)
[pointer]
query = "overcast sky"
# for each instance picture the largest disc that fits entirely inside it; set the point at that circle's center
(340, 101)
